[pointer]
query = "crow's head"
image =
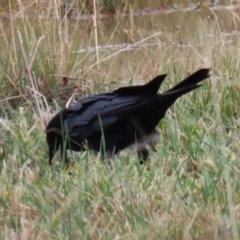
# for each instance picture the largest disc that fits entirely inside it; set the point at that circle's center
(54, 133)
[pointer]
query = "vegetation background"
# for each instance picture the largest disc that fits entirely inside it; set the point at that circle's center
(190, 188)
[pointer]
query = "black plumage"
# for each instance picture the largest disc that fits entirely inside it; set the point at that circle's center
(111, 122)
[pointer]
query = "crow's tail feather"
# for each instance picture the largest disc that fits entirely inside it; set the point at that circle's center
(172, 96)
(193, 79)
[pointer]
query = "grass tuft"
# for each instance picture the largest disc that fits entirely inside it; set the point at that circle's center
(190, 187)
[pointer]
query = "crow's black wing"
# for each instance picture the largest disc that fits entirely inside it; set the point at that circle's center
(99, 111)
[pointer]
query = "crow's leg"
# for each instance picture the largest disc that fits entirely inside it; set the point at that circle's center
(154, 140)
(143, 155)
(50, 155)
(151, 141)
(142, 151)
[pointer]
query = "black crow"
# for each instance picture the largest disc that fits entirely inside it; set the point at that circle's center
(111, 122)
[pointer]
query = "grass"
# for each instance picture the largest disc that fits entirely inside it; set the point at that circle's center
(190, 188)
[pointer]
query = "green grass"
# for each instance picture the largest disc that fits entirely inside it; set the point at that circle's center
(188, 190)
